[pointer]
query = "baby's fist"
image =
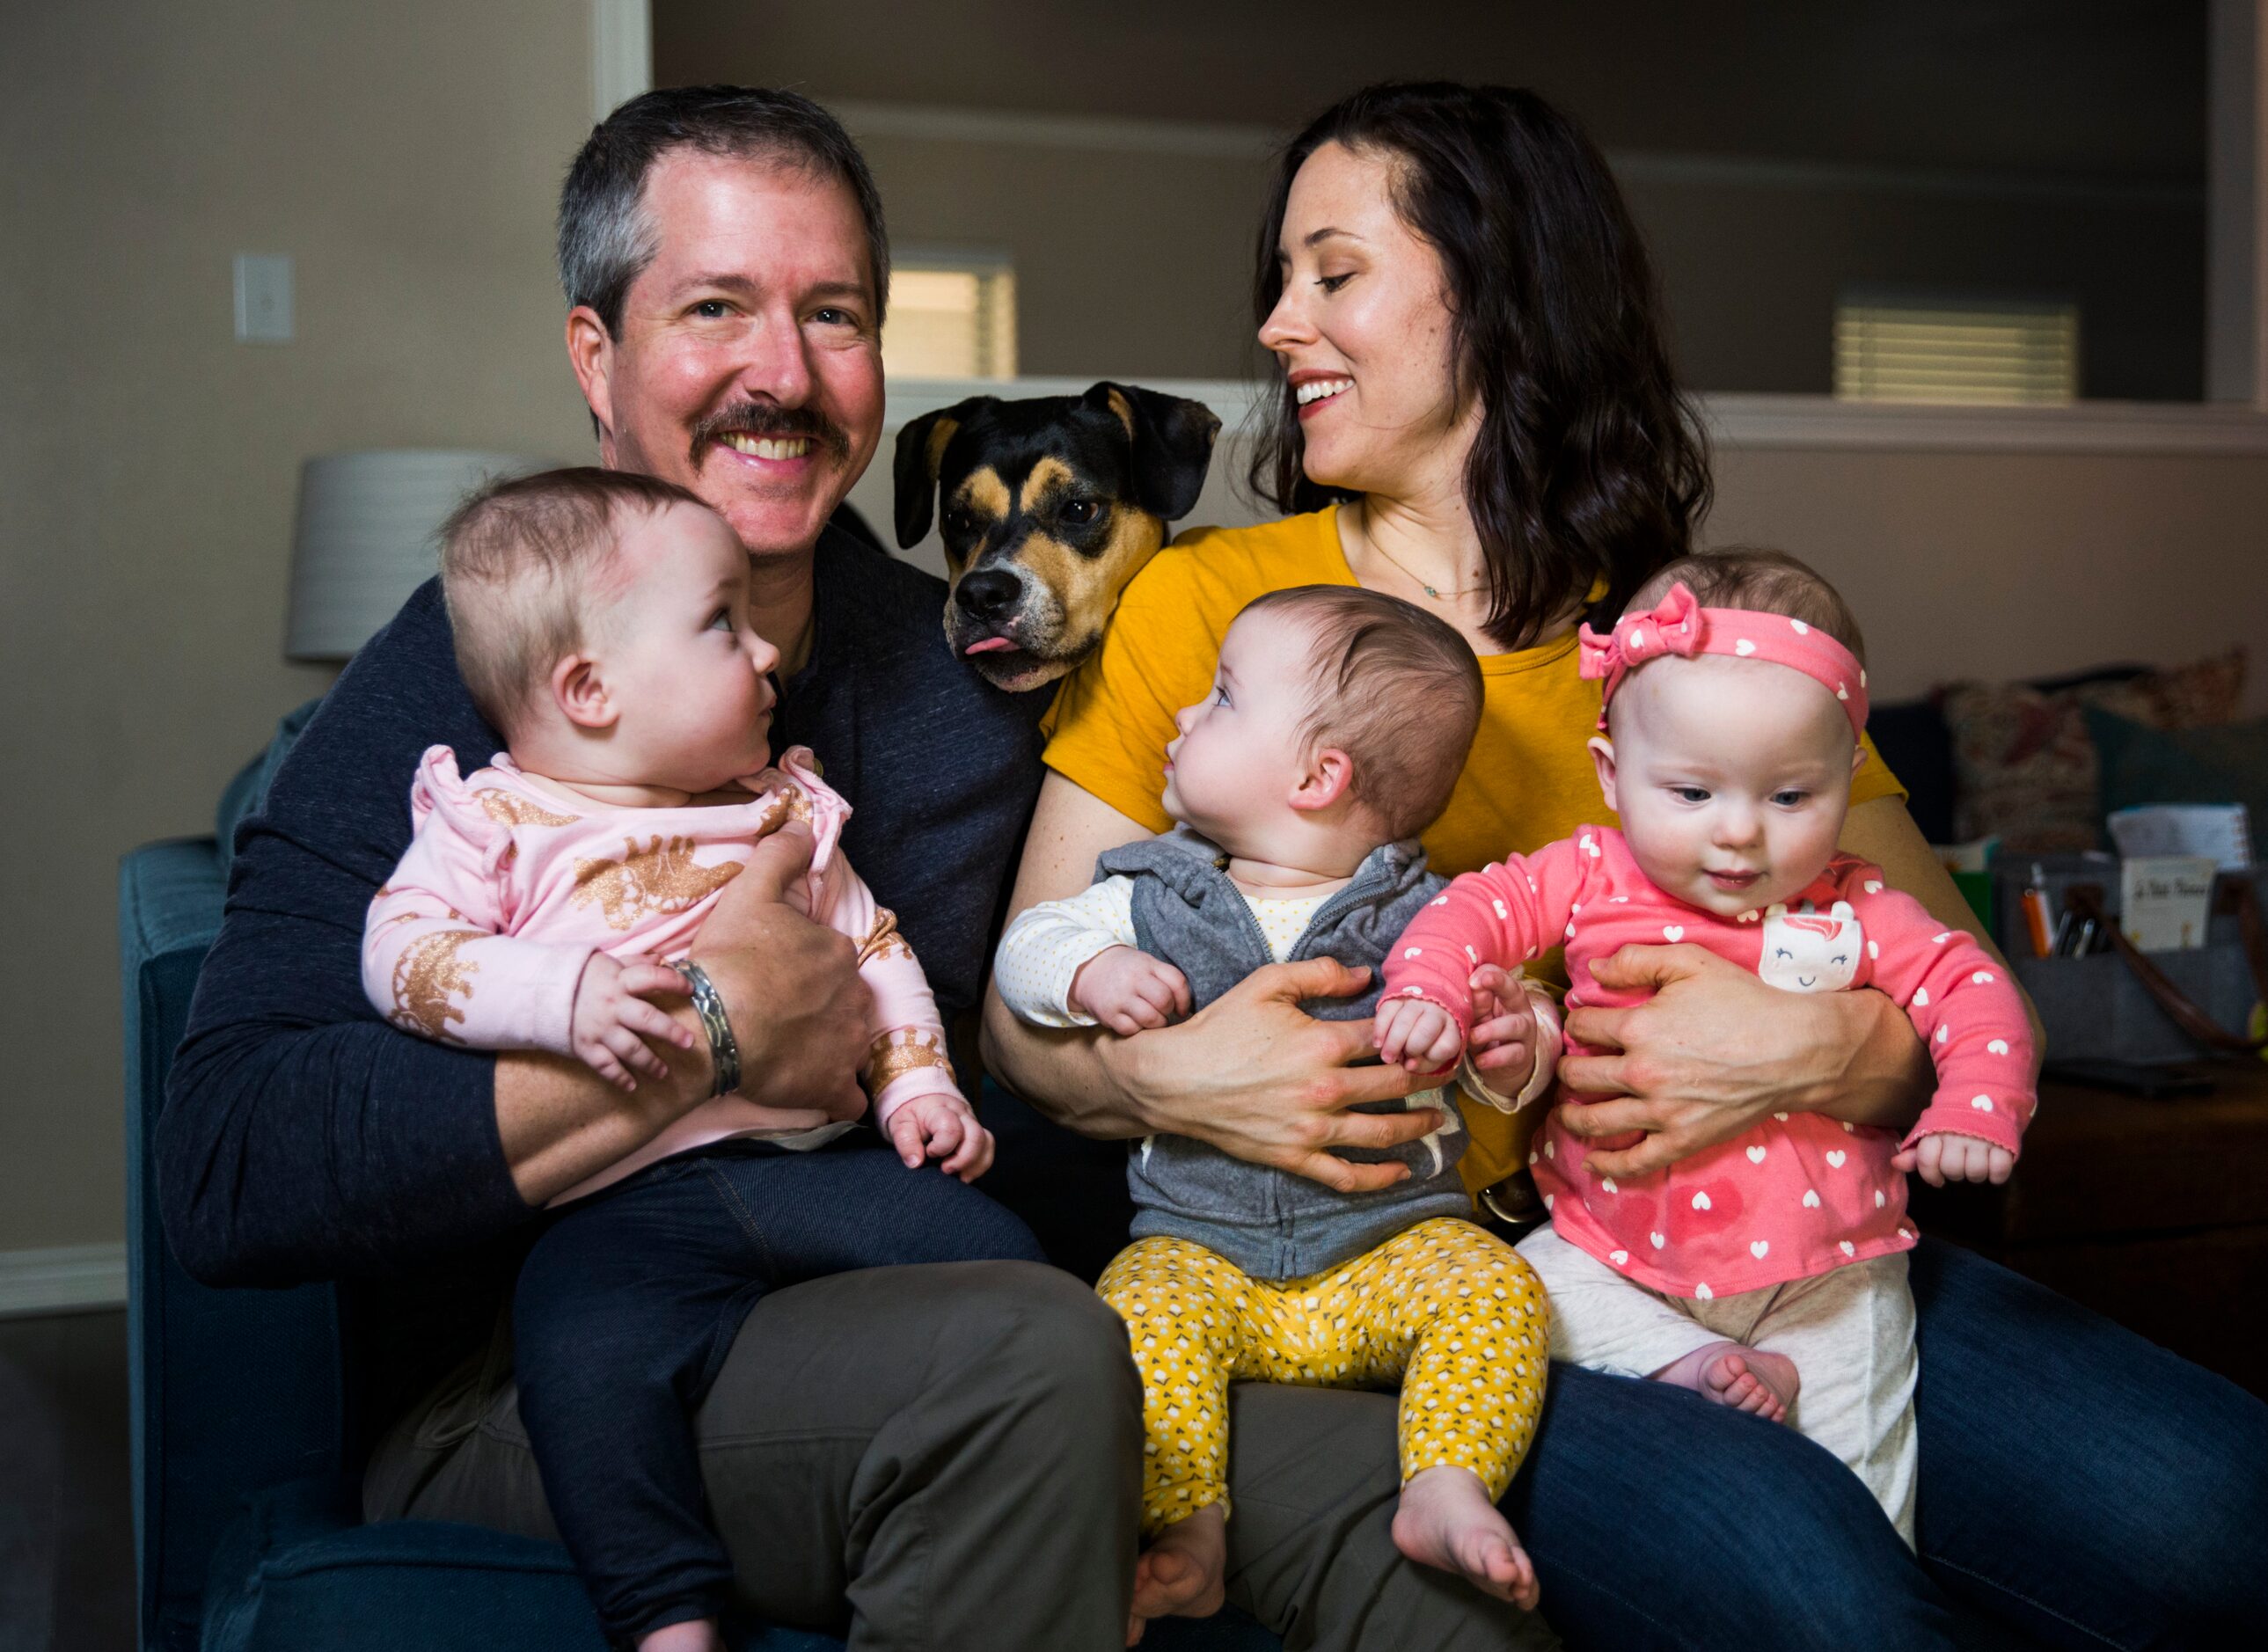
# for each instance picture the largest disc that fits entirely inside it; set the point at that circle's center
(1128, 991)
(1945, 1157)
(1420, 1036)
(941, 1127)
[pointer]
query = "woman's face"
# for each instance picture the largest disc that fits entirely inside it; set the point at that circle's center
(1363, 326)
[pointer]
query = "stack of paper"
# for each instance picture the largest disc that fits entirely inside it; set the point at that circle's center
(2220, 832)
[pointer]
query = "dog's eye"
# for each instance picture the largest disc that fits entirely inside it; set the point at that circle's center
(960, 524)
(1079, 512)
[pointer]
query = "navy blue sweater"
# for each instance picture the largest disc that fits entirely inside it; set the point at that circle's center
(304, 1138)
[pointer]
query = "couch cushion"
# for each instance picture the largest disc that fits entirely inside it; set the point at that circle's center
(2142, 765)
(2028, 768)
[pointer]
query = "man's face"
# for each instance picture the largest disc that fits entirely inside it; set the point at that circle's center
(749, 367)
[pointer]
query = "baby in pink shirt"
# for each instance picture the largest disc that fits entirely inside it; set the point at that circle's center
(546, 898)
(602, 623)
(1768, 1273)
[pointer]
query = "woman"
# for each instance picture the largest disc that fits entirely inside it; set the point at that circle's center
(1479, 416)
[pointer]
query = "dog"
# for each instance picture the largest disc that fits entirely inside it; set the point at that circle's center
(1050, 505)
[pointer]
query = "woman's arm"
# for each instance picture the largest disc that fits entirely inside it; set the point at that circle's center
(1716, 1049)
(1249, 1074)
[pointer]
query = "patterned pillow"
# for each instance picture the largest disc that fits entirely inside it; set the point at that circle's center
(2026, 767)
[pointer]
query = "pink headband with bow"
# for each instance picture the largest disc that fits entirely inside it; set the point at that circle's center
(1680, 624)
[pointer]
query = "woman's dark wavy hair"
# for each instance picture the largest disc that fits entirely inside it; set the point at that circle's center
(1590, 464)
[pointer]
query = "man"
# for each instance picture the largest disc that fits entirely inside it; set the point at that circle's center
(945, 1456)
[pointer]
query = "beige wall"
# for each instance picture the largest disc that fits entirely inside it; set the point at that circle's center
(2018, 565)
(407, 155)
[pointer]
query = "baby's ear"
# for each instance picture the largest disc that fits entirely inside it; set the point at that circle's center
(580, 693)
(1603, 753)
(1329, 772)
(1858, 757)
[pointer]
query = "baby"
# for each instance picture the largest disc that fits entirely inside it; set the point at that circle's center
(601, 622)
(1734, 695)
(1336, 724)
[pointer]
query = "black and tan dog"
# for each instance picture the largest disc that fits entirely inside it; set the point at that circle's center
(1051, 504)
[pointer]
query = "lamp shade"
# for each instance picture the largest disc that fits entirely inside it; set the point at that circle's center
(367, 538)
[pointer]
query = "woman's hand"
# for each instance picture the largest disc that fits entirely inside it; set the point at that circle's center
(1254, 1076)
(1716, 1050)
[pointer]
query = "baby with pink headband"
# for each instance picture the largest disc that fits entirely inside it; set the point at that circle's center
(1767, 1272)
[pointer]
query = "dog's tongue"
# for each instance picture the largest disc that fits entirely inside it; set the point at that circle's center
(990, 645)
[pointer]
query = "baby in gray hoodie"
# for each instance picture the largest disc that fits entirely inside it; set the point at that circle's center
(1336, 724)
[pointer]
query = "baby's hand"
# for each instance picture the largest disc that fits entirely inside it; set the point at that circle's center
(1421, 1037)
(1502, 1014)
(941, 1127)
(1128, 991)
(612, 1020)
(1946, 1158)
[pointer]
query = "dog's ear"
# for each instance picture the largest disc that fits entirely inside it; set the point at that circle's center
(920, 448)
(1172, 445)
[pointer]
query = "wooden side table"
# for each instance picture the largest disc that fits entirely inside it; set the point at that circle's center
(2154, 1213)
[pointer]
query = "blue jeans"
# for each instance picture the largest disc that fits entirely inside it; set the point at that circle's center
(629, 1302)
(2079, 1487)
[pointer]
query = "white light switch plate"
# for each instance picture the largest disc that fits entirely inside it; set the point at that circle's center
(263, 299)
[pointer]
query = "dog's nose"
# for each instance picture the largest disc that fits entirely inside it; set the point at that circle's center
(989, 593)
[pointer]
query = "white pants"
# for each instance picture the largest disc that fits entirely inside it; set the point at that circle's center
(1850, 1332)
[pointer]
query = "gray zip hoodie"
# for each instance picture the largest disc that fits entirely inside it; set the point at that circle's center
(1269, 1223)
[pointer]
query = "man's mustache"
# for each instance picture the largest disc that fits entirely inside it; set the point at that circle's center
(766, 422)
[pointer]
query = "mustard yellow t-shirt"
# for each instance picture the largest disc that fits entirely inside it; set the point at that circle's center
(1529, 782)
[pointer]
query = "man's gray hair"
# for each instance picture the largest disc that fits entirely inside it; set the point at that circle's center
(605, 236)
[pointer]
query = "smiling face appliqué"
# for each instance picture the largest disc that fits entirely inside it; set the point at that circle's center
(1811, 952)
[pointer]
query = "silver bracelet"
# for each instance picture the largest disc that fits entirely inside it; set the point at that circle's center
(709, 1004)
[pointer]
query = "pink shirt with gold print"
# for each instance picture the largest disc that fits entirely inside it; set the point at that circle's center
(1800, 1192)
(481, 935)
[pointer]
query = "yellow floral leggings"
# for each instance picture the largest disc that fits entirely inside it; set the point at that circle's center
(1449, 1310)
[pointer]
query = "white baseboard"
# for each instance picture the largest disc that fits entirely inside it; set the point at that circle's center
(68, 1279)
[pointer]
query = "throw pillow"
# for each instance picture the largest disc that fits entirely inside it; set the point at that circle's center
(2026, 767)
(2142, 765)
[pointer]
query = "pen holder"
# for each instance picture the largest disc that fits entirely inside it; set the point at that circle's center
(2127, 1006)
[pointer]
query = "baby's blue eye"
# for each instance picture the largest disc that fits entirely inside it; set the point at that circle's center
(1220, 695)
(1689, 794)
(1789, 799)
(721, 621)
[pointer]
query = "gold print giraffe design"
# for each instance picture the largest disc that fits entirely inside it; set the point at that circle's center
(883, 940)
(661, 878)
(427, 976)
(906, 1050)
(508, 808)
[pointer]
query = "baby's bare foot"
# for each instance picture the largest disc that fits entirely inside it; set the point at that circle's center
(698, 1634)
(1447, 1520)
(1179, 1576)
(1762, 1384)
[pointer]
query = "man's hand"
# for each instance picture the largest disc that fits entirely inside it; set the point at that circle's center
(1256, 1078)
(790, 985)
(943, 1128)
(1127, 991)
(1714, 1052)
(1942, 1158)
(612, 1019)
(1414, 1034)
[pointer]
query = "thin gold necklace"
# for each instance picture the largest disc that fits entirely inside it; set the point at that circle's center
(1462, 590)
